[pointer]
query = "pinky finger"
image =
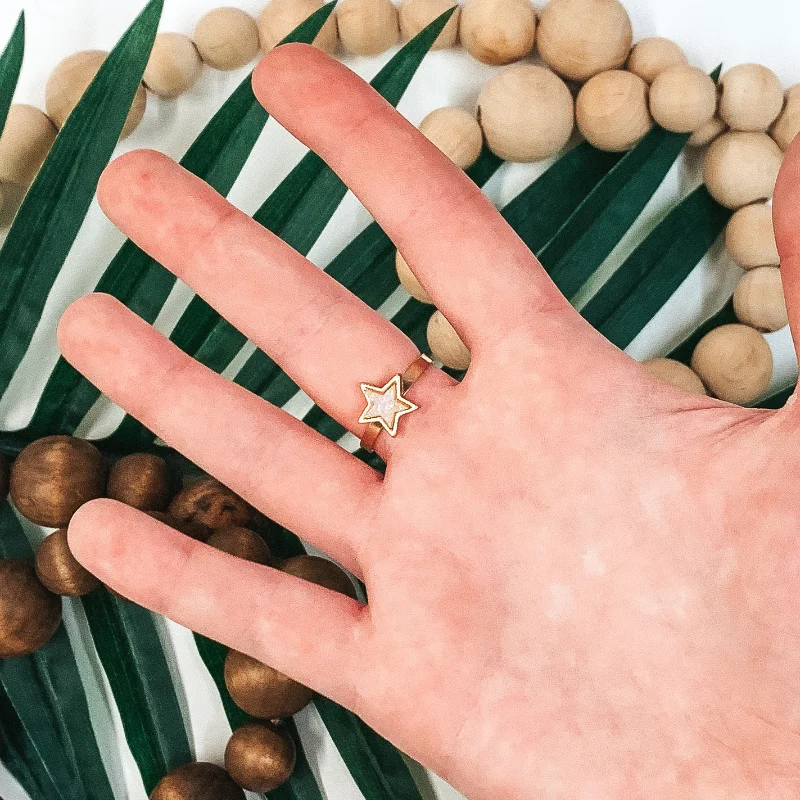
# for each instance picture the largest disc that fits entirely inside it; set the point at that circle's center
(309, 633)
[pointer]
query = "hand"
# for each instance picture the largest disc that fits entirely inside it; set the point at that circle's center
(583, 583)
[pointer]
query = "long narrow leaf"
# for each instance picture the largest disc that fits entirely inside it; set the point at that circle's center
(55, 206)
(10, 66)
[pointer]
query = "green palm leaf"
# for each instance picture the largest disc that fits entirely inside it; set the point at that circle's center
(10, 66)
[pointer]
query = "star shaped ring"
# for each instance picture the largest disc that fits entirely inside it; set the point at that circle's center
(387, 403)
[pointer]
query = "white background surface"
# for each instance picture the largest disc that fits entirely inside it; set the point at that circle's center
(709, 30)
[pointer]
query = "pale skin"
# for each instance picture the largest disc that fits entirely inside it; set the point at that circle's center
(584, 584)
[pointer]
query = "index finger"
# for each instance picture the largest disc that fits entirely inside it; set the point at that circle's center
(473, 265)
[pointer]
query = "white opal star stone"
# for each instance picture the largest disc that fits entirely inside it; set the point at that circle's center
(385, 405)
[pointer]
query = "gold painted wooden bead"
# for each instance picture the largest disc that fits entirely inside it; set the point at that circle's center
(612, 110)
(70, 79)
(787, 126)
(734, 362)
(418, 14)
(581, 38)
(281, 17)
(652, 56)
(676, 374)
(241, 543)
(367, 27)
(141, 480)
(446, 344)
(750, 237)
(706, 134)
(227, 38)
(742, 168)
(683, 99)
(758, 299)
(751, 97)
(456, 133)
(409, 280)
(260, 756)
(59, 570)
(498, 31)
(526, 113)
(321, 571)
(198, 780)
(174, 66)
(27, 138)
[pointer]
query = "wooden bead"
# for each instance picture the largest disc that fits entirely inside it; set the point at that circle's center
(409, 280)
(26, 140)
(706, 134)
(70, 79)
(197, 781)
(260, 757)
(787, 126)
(445, 343)
(683, 99)
(418, 14)
(750, 237)
(53, 477)
(367, 27)
(281, 17)
(59, 570)
(242, 543)
(456, 133)
(734, 362)
(581, 38)
(320, 571)
(526, 113)
(676, 374)
(174, 66)
(758, 300)
(262, 691)
(652, 56)
(751, 97)
(141, 480)
(227, 38)
(29, 613)
(188, 527)
(742, 168)
(209, 503)
(612, 110)
(498, 31)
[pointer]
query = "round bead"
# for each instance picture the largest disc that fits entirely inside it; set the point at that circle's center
(174, 66)
(706, 134)
(141, 480)
(53, 477)
(741, 168)
(194, 530)
(27, 138)
(227, 38)
(652, 56)
(750, 237)
(197, 781)
(456, 133)
(676, 374)
(612, 110)
(581, 38)
(59, 570)
(409, 280)
(29, 613)
(211, 504)
(320, 571)
(751, 97)
(445, 343)
(418, 14)
(498, 31)
(787, 126)
(683, 99)
(367, 27)
(242, 543)
(527, 113)
(260, 757)
(262, 691)
(758, 300)
(734, 362)
(70, 79)
(280, 17)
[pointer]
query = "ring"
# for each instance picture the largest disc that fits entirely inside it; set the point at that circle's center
(386, 404)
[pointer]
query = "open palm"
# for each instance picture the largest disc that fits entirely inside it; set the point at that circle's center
(582, 583)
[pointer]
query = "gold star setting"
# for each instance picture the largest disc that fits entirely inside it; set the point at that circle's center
(385, 405)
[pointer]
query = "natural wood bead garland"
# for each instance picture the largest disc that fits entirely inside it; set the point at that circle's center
(751, 97)
(409, 280)
(27, 138)
(280, 17)
(750, 237)
(227, 38)
(446, 344)
(417, 14)
(758, 299)
(367, 27)
(174, 66)
(683, 99)
(787, 126)
(498, 31)
(650, 57)
(676, 374)
(456, 133)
